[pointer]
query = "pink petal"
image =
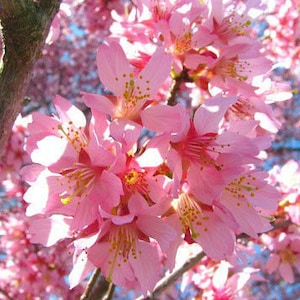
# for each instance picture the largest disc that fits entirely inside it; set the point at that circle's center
(209, 115)
(149, 73)
(216, 239)
(101, 256)
(137, 204)
(86, 213)
(82, 267)
(156, 152)
(273, 263)
(126, 132)
(37, 197)
(165, 118)
(246, 216)
(68, 112)
(287, 273)
(200, 183)
(221, 275)
(107, 191)
(113, 67)
(51, 230)
(30, 173)
(146, 266)
(237, 281)
(156, 228)
(48, 155)
(98, 103)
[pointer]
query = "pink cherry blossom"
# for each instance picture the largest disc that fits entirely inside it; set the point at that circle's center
(165, 152)
(230, 24)
(285, 256)
(190, 145)
(224, 286)
(250, 200)
(75, 177)
(30, 270)
(281, 38)
(131, 257)
(131, 91)
(201, 224)
(288, 178)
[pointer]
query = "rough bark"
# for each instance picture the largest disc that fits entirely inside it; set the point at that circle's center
(25, 25)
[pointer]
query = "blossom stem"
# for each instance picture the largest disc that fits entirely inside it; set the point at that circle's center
(88, 291)
(110, 292)
(178, 80)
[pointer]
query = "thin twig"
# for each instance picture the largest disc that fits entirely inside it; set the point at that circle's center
(167, 281)
(88, 292)
(110, 292)
(5, 294)
(178, 80)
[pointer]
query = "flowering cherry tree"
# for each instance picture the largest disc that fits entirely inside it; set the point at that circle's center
(138, 160)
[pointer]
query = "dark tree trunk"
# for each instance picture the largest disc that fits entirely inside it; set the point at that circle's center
(25, 25)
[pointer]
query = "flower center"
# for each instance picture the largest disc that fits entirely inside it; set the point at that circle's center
(183, 43)
(77, 181)
(159, 10)
(288, 256)
(135, 181)
(242, 108)
(237, 25)
(233, 25)
(234, 68)
(200, 149)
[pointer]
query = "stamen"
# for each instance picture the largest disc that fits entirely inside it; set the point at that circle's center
(77, 182)
(242, 108)
(122, 243)
(198, 149)
(189, 212)
(288, 256)
(133, 93)
(242, 187)
(183, 43)
(135, 181)
(233, 25)
(234, 68)
(74, 135)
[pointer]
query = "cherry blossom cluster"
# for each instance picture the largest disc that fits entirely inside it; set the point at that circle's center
(28, 270)
(167, 152)
(281, 38)
(216, 279)
(13, 158)
(277, 261)
(284, 245)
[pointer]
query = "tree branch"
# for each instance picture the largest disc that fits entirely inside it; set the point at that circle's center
(167, 281)
(25, 25)
(88, 291)
(5, 294)
(110, 292)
